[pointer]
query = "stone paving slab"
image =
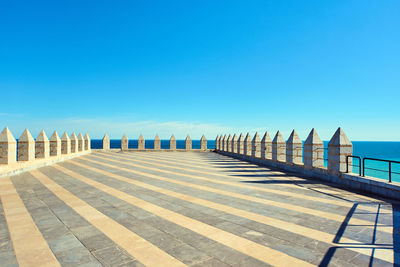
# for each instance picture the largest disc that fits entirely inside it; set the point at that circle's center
(189, 209)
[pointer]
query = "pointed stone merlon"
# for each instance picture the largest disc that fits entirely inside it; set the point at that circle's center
(172, 143)
(157, 142)
(234, 144)
(42, 146)
(124, 142)
(266, 146)
(217, 143)
(338, 148)
(223, 143)
(278, 148)
(55, 144)
(229, 143)
(87, 142)
(65, 144)
(256, 146)
(106, 142)
(203, 143)
(8, 147)
(240, 145)
(74, 143)
(141, 143)
(80, 142)
(247, 145)
(26, 147)
(313, 151)
(188, 143)
(294, 149)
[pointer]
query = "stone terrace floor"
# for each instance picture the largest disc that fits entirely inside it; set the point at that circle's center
(187, 208)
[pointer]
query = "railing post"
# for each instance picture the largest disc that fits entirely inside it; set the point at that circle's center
(256, 146)
(234, 144)
(172, 143)
(240, 144)
(188, 143)
(141, 143)
(203, 143)
(157, 143)
(294, 149)
(55, 144)
(81, 142)
(266, 146)
(8, 147)
(65, 144)
(26, 147)
(313, 151)
(247, 145)
(42, 146)
(338, 148)
(229, 143)
(278, 148)
(88, 145)
(124, 142)
(106, 142)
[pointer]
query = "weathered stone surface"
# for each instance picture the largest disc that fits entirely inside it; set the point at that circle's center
(240, 144)
(81, 142)
(313, 150)
(247, 145)
(55, 144)
(217, 143)
(339, 147)
(172, 143)
(8, 147)
(42, 146)
(74, 143)
(88, 144)
(278, 148)
(266, 146)
(223, 143)
(229, 143)
(26, 147)
(256, 146)
(65, 144)
(203, 143)
(234, 143)
(124, 142)
(188, 143)
(157, 142)
(294, 149)
(141, 142)
(106, 142)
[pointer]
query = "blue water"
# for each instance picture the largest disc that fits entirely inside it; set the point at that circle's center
(381, 150)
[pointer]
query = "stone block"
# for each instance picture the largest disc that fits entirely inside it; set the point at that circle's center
(234, 144)
(106, 142)
(172, 143)
(313, 151)
(278, 148)
(203, 143)
(42, 146)
(240, 144)
(256, 146)
(74, 143)
(81, 142)
(247, 145)
(217, 143)
(125, 142)
(188, 143)
(8, 147)
(266, 146)
(26, 147)
(223, 144)
(55, 144)
(339, 147)
(294, 149)
(65, 144)
(157, 142)
(88, 145)
(229, 143)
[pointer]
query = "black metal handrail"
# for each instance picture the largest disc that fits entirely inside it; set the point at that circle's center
(359, 163)
(383, 160)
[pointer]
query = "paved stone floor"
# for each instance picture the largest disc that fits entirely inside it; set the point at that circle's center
(187, 208)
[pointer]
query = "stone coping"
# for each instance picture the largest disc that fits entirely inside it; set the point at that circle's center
(369, 185)
(23, 166)
(154, 150)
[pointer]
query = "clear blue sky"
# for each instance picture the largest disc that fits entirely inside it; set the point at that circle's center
(201, 66)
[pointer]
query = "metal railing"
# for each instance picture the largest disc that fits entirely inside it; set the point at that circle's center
(382, 160)
(359, 163)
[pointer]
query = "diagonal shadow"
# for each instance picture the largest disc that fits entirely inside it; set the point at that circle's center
(278, 182)
(396, 234)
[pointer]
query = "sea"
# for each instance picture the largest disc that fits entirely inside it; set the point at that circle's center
(363, 149)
